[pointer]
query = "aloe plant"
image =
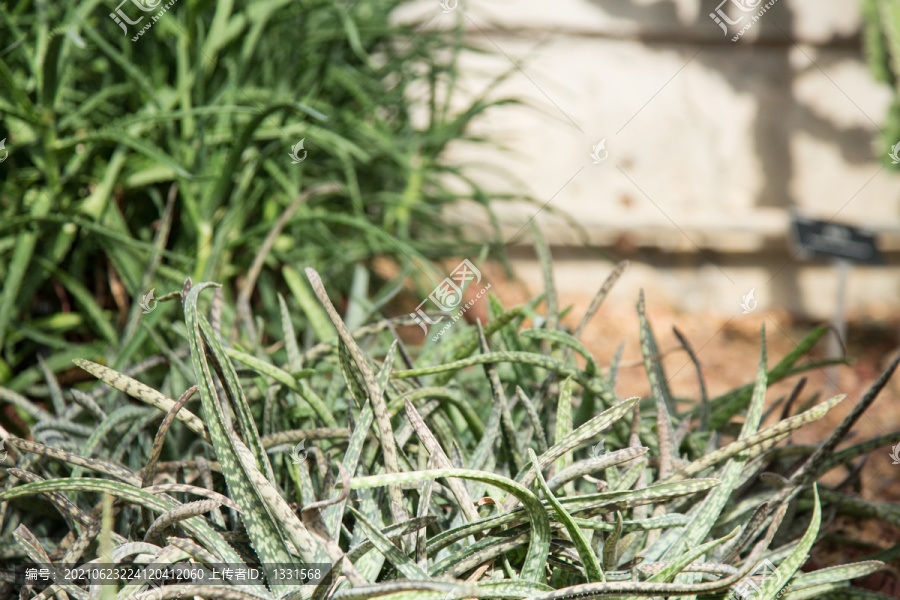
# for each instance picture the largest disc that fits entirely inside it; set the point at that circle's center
(453, 470)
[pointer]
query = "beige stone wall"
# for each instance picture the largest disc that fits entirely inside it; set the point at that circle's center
(710, 142)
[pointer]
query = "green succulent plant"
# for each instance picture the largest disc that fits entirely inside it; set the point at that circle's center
(881, 43)
(131, 165)
(464, 468)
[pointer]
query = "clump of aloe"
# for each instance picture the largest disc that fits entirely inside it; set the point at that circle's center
(487, 465)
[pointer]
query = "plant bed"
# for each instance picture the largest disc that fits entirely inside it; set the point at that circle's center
(488, 464)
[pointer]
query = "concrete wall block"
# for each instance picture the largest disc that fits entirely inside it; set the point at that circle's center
(805, 21)
(708, 144)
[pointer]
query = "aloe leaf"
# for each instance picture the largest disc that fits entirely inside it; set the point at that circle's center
(653, 359)
(453, 397)
(832, 591)
(587, 431)
(706, 515)
(354, 386)
(593, 503)
(472, 344)
(564, 339)
(704, 397)
(778, 430)
(334, 514)
(29, 542)
(404, 564)
(295, 359)
(840, 573)
(594, 464)
(484, 451)
(669, 572)
(440, 460)
(263, 529)
(289, 380)
(56, 395)
(392, 532)
(723, 407)
(96, 465)
(812, 468)
(629, 526)
(546, 260)
(534, 418)
(374, 392)
(314, 312)
(564, 423)
(593, 383)
(772, 585)
(142, 392)
(601, 295)
(507, 427)
(196, 526)
(25, 405)
(479, 554)
(113, 420)
(845, 456)
(588, 558)
(611, 544)
(539, 545)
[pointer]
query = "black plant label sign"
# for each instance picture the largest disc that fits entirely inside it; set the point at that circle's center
(825, 239)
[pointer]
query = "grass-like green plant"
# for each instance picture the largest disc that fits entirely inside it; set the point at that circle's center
(881, 42)
(467, 468)
(134, 164)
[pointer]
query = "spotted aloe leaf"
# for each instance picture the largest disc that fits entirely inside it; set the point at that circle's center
(263, 529)
(538, 547)
(705, 515)
(771, 586)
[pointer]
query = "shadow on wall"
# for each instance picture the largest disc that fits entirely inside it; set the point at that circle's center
(779, 116)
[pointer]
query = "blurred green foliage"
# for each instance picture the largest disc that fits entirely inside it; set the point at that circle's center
(881, 42)
(133, 164)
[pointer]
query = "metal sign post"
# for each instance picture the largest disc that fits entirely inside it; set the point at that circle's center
(843, 244)
(842, 266)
